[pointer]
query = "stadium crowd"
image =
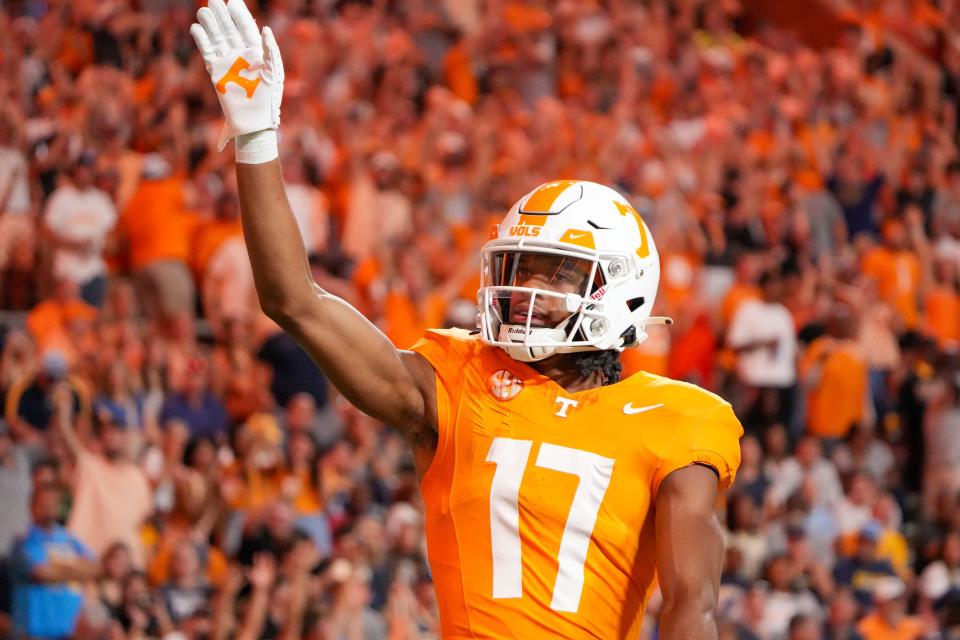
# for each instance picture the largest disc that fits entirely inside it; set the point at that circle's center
(210, 484)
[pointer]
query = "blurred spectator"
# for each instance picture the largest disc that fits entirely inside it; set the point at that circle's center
(187, 591)
(234, 375)
(17, 233)
(350, 614)
(116, 569)
(752, 479)
(228, 289)
(841, 621)
(864, 451)
(379, 213)
(62, 322)
(746, 536)
(291, 371)
(803, 628)
(897, 270)
(157, 227)
(836, 378)
(942, 440)
(15, 489)
(309, 206)
(144, 613)
(865, 569)
(785, 600)
(857, 188)
(911, 403)
(828, 229)
(942, 575)
(763, 336)
(274, 537)
(49, 563)
(111, 494)
(890, 619)
(196, 405)
(78, 218)
(29, 402)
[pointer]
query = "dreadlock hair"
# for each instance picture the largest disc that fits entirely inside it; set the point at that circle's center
(606, 362)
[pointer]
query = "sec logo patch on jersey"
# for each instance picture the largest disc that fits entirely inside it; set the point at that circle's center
(504, 385)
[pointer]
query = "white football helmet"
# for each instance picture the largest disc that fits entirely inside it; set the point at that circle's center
(572, 267)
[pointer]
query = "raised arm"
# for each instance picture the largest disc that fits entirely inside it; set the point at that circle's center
(689, 553)
(392, 386)
(388, 384)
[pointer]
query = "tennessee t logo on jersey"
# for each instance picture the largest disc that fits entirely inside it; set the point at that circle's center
(565, 403)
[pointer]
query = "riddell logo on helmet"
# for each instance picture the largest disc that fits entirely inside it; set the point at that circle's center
(516, 331)
(596, 295)
(524, 230)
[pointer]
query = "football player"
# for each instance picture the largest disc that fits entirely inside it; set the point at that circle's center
(556, 493)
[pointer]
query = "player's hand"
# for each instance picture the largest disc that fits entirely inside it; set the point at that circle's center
(244, 65)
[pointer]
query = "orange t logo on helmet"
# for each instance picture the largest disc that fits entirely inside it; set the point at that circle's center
(233, 75)
(625, 209)
(533, 214)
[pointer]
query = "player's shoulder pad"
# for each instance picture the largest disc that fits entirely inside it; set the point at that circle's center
(445, 347)
(459, 335)
(681, 397)
(459, 339)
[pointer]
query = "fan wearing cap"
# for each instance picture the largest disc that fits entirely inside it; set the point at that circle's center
(866, 566)
(28, 405)
(889, 621)
(555, 491)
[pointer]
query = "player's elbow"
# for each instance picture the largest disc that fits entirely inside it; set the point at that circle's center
(284, 308)
(696, 600)
(689, 613)
(275, 306)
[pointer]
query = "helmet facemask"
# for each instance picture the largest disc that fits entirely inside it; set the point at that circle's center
(539, 301)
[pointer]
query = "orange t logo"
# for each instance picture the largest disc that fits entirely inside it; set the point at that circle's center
(643, 250)
(234, 76)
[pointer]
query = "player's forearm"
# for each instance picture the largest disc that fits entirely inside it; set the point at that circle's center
(688, 620)
(273, 240)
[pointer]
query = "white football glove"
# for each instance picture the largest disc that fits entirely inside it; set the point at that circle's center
(245, 68)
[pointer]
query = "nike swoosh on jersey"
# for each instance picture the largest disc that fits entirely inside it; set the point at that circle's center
(629, 409)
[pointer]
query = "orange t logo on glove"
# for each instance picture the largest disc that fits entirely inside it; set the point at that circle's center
(233, 75)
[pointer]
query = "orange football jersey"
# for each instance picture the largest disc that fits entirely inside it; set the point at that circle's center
(539, 521)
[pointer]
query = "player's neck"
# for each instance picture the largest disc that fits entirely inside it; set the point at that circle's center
(563, 370)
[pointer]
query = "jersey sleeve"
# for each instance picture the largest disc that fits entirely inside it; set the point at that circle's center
(711, 438)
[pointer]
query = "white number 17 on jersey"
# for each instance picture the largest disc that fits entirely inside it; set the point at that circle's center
(594, 472)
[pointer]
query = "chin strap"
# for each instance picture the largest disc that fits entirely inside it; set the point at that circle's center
(519, 351)
(523, 353)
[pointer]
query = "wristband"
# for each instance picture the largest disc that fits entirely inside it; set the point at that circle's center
(258, 147)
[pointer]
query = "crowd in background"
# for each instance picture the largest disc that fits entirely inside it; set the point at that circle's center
(173, 466)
